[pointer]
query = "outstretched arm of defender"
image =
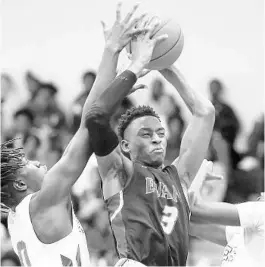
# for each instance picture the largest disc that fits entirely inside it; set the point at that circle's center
(210, 232)
(59, 180)
(248, 214)
(104, 140)
(196, 139)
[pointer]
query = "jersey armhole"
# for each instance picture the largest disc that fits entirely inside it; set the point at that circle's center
(174, 171)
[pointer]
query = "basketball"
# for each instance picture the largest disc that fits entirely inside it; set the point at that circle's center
(168, 51)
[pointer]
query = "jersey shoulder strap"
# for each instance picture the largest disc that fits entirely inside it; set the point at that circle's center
(173, 174)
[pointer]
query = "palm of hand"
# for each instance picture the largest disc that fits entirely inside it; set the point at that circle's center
(117, 36)
(142, 47)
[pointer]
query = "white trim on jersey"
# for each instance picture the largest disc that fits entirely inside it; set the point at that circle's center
(119, 208)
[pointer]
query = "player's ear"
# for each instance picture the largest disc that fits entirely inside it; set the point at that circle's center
(125, 146)
(20, 185)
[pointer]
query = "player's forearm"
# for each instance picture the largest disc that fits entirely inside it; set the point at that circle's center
(210, 232)
(111, 98)
(196, 103)
(106, 74)
(216, 213)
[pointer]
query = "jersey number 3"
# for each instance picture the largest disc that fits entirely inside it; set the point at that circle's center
(169, 218)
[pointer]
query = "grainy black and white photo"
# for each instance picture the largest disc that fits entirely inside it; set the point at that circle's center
(132, 133)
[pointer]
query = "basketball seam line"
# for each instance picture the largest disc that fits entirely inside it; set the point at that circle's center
(160, 27)
(168, 50)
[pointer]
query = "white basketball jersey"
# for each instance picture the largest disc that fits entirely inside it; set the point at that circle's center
(69, 251)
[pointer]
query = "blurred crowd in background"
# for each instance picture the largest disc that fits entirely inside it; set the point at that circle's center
(44, 128)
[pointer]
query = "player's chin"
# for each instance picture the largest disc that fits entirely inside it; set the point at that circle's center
(158, 160)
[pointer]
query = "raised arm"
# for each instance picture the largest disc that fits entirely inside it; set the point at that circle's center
(112, 164)
(58, 181)
(196, 139)
(248, 214)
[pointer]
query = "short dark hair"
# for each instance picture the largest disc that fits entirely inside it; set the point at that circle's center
(132, 114)
(11, 163)
(218, 82)
(48, 86)
(26, 112)
(89, 73)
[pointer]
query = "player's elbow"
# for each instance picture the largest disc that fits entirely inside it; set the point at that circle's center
(208, 110)
(96, 117)
(102, 138)
(207, 113)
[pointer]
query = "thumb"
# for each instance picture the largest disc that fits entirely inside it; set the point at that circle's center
(137, 87)
(160, 38)
(144, 72)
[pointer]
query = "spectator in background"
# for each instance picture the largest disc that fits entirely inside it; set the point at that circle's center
(248, 180)
(10, 259)
(23, 130)
(50, 121)
(23, 123)
(157, 93)
(170, 106)
(175, 123)
(88, 80)
(157, 99)
(46, 108)
(256, 141)
(10, 101)
(6, 86)
(226, 121)
(33, 84)
(157, 90)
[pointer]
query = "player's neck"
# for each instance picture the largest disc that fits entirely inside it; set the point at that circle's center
(18, 198)
(150, 165)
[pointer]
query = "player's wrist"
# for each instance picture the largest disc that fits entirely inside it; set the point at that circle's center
(113, 49)
(136, 67)
(168, 70)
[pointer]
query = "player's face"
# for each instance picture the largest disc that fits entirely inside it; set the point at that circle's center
(146, 141)
(34, 172)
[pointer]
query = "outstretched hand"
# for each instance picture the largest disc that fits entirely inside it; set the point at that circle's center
(204, 174)
(122, 31)
(144, 43)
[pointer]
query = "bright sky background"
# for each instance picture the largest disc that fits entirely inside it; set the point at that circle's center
(60, 39)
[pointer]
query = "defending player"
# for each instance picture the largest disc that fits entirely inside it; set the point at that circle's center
(148, 210)
(240, 228)
(43, 227)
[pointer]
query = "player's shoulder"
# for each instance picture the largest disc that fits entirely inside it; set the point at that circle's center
(171, 170)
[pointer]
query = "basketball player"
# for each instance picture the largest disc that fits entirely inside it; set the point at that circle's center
(147, 201)
(43, 227)
(240, 228)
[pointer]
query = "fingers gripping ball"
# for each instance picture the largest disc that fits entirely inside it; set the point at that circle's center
(168, 51)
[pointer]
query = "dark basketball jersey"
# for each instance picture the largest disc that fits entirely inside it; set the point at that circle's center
(150, 217)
